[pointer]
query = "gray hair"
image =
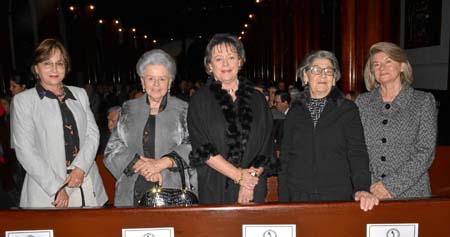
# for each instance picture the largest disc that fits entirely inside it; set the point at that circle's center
(228, 40)
(156, 57)
(114, 109)
(306, 63)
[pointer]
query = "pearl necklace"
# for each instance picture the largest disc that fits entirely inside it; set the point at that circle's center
(231, 91)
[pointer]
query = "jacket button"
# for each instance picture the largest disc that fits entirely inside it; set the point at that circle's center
(385, 121)
(387, 106)
(383, 175)
(383, 140)
(383, 158)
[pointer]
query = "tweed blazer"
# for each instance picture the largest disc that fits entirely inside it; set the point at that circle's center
(401, 140)
(126, 140)
(38, 138)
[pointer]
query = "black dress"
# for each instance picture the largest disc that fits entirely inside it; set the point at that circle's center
(240, 131)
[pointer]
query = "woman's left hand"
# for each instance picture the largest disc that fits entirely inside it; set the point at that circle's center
(380, 191)
(75, 178)
(245, 195)
(366, 200)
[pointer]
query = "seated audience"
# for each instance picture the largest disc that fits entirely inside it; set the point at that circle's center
(352, 95)
(112, 116)
(282, 102)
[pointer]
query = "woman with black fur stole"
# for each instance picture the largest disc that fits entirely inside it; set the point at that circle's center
(229, 125)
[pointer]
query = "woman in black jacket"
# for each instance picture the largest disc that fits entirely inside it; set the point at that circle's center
(230, 129)
(323, 153)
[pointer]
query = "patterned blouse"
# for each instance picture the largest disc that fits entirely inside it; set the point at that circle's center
(315, 107)
(71, 139)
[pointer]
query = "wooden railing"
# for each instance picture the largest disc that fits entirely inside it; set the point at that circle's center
(318, 219)
(439, 176)
(312, 219)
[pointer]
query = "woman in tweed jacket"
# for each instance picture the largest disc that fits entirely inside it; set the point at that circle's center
(399, 125)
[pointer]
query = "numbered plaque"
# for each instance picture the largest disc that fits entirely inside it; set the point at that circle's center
(149, 232)
(29, 233)
(268, 231)
(393, 230)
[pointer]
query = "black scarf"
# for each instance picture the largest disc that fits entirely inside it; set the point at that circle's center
(238, 116)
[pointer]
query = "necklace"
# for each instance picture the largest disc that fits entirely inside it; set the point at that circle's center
(63, 94)
(61, 86)
(232, 90)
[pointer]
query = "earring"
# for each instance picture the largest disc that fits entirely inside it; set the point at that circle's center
(143, 89)
(168, 91)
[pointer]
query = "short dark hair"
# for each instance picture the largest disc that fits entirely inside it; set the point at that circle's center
(284, 96)
(228, 40)
(22, 78)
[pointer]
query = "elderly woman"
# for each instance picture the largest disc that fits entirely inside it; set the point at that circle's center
(323, 154)
(55, 136)
(230, 126)
(150, 134)
(399, 125)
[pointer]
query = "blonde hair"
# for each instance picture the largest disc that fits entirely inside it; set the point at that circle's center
(395, 53)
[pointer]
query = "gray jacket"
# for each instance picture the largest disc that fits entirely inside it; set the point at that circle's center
(38, 137)
(401, 140)
(126, 140)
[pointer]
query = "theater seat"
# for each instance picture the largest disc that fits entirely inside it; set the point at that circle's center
(108, 180)
(440, 172)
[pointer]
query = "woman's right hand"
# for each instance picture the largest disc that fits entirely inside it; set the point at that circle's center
(245, 195)
(156, 178)
(147, 166)
(62, 199)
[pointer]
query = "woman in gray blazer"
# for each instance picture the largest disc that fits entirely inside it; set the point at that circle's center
(399, 125)
(55, 136)
(150, 134)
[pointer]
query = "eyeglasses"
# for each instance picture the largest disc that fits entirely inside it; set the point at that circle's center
(50, 65)
(316, 70)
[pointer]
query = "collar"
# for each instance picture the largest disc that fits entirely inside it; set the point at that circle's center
(42, 92)
(162, 105)
(402, 99)
(334, 96)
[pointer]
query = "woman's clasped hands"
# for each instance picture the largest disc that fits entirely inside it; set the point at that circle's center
(151, 168)
(248, 179)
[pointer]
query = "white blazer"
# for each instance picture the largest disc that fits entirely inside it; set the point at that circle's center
(38, 138)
